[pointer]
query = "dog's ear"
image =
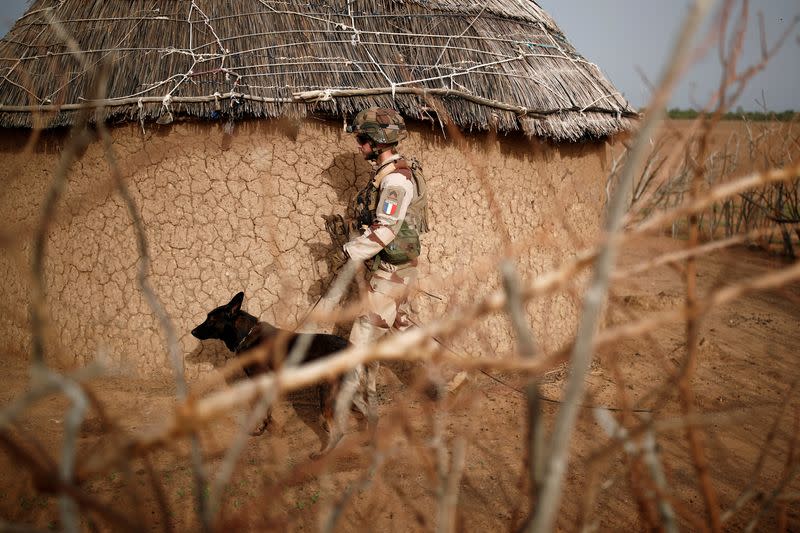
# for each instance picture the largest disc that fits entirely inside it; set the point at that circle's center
(236, 303)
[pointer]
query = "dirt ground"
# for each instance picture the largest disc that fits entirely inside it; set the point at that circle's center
(747, 363)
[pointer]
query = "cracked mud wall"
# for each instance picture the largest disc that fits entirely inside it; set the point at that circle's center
(244, 212)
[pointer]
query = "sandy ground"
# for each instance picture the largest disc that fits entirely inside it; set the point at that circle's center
(747, 362)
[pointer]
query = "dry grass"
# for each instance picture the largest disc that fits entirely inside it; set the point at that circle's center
(694, 190)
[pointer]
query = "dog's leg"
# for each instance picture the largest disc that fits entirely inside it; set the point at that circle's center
(325, 406)
(356, 378)
(328, 393)
(262, 426)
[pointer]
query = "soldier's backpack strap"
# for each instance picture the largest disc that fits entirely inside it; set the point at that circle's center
(419, 206)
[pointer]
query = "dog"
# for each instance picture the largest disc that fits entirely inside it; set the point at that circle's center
(241, 331)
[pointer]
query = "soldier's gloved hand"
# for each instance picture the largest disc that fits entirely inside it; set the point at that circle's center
(338, 258)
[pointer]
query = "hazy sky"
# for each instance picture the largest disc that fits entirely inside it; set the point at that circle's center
(626, 37)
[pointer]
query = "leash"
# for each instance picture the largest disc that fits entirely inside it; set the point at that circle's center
(484, 372)
(522, 393)
(325, 292)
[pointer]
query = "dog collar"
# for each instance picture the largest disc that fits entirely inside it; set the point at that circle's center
(241, 343)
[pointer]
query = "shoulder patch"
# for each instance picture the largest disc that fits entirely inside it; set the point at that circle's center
(390, 202)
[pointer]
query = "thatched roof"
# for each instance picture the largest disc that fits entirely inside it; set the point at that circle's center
(496, 63)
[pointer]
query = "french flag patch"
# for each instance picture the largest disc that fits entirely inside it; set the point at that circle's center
(390, 201)
(389, 207)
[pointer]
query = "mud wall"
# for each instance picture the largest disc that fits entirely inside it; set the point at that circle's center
(225, 213)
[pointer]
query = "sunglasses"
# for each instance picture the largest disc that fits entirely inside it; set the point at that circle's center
(362, 139)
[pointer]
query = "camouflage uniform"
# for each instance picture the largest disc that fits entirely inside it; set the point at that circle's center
(389, 282)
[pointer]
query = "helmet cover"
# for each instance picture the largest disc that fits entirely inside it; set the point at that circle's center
(380, 125)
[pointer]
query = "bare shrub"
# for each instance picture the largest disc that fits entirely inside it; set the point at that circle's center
(187, 472)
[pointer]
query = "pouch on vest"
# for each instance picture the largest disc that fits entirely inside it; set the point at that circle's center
(404, 247)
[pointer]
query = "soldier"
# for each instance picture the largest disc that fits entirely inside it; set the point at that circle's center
(389, 214)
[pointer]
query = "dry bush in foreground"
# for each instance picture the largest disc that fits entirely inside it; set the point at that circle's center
(698, 188)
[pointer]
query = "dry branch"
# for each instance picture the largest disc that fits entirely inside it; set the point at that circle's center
(154, 302)
(448, 504)
(311, 97)
(410, 345)
(635, 434)
(595, 295)
(526, 347)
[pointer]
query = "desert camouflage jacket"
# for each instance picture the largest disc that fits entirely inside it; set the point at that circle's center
(396, 185)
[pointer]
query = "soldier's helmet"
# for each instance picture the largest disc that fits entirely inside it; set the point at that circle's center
(380, 125)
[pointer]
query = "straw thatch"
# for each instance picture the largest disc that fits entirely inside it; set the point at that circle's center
(497, 63)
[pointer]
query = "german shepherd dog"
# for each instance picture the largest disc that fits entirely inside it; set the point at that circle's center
(241, 332)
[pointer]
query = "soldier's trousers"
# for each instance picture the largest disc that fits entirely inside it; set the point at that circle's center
(386, 308)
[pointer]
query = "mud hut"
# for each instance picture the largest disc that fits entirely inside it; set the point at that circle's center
(227, 121)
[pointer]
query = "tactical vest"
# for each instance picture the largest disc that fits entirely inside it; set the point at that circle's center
(405, 246)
